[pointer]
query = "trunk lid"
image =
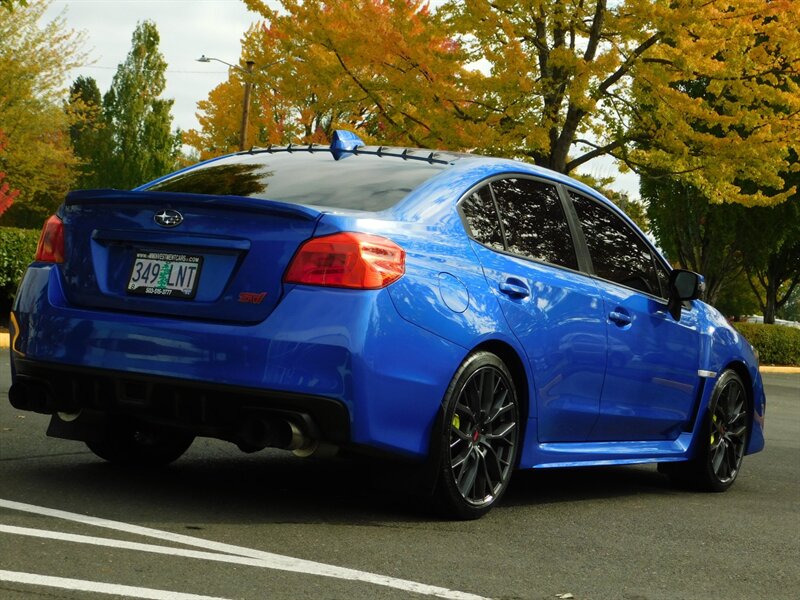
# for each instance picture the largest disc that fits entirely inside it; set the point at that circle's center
(218, 258)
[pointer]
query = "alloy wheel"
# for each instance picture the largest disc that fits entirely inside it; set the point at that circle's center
(728, 431)
(483, 436)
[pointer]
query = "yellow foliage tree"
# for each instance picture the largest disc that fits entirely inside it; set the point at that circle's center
(554, 82)
(37, 159)
(577, 79)
(384, 68)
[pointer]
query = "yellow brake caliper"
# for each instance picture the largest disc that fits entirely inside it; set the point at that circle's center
(714, 420)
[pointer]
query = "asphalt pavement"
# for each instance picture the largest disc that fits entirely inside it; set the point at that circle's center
(219, 524)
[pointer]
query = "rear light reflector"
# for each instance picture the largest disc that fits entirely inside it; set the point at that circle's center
(51, 242)
(348, 260)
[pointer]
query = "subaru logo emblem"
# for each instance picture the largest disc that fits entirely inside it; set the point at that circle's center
(168, 218)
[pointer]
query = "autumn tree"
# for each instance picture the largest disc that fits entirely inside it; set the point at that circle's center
(7, 194)
(571, 79)
(9, 4)
(138, 119)
(37, 159)
(560, 83)
(375, 66)
(293, 99)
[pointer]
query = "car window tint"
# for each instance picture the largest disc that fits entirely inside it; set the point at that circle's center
(534, 221)
(356, 182)
(481, 215)
(618, 253)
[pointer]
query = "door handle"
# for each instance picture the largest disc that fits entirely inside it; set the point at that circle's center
(620, 318)
(515, 288)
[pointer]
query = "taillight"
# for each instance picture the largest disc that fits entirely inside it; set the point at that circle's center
(348, 260)
(51, 242)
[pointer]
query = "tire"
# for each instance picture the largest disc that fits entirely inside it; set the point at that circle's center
(141, 445)
(476, 441)
(722, 440)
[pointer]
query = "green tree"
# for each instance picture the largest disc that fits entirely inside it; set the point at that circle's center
(88, 134)
(37, 159)
(769, 241)
(736, 297)
(138, 120)
(791, 310)
(694, 233)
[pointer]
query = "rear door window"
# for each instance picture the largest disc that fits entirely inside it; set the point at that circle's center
(534, 221)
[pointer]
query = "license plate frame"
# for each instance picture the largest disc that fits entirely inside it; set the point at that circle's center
(160, 274)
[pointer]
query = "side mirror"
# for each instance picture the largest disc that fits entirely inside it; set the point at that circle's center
(683, 285)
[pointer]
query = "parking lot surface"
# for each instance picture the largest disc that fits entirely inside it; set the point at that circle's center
(221, 524)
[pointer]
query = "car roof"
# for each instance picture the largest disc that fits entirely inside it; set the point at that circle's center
(447, 166)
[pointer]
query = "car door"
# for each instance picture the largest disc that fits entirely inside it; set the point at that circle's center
(554, 310)
(652, 380)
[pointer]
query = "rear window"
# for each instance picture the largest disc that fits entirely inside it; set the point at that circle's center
(365, 182)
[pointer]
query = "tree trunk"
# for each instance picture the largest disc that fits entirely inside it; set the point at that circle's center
(770, 302)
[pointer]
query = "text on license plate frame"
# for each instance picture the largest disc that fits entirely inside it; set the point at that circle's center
(164, 274)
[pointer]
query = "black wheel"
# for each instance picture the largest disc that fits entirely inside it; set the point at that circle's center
(722, 442)
(478, 437)
(139, 444)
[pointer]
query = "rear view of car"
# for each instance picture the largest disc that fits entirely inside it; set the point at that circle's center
(470, 314)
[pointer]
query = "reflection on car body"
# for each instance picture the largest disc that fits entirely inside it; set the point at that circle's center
(473, 314)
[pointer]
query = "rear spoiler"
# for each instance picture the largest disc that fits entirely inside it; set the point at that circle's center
(175, 199)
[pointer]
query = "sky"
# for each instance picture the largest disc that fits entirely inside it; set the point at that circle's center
(189, 29)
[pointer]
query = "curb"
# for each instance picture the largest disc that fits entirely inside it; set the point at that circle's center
(774, 369)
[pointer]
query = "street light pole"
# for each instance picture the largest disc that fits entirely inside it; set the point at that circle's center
(248, 86)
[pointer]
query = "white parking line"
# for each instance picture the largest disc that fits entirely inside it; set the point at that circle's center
(125, 545)
(263, 559)
(98, 587)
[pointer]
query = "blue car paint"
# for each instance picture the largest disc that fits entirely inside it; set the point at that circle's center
(651, 380)
(389, 355)
(343, 346)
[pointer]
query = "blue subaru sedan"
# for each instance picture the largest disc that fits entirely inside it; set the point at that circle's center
(475, 315)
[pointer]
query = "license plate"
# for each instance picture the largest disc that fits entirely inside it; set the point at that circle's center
(165, 275)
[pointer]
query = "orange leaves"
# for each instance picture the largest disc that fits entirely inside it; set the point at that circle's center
(7, 195)
(387, 67)
(707, 89)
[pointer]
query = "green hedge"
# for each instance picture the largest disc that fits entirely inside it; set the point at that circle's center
(776, 344)
(17, 249)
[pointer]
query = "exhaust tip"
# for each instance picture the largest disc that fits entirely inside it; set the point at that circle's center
(256, 434)
(317, 449)
(68, 417)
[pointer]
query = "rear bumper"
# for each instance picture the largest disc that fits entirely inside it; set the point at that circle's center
(203, 408)
(346, 358)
